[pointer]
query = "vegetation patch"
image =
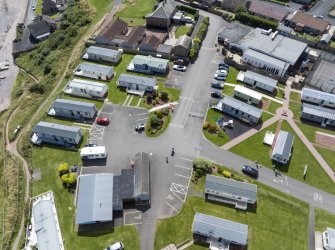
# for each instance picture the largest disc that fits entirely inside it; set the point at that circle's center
(232, 75)
(182, 30)
(200, 36)
(158, 122)
(323, 219)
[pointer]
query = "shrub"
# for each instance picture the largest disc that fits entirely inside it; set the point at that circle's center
(240, 8)
(46, 69)
(187, 9)
(226, 174)
(155, 121)
(159, 114)
(69, 180)
(202, 164)
(198, 173)
(205, 125)
(164, 96)
(212, 129)
(37, 88)
(165, 112)
(63, 169)
(255, 21)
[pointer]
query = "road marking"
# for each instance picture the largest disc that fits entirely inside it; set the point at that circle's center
(172, 207)
(189, 180)
(169, 197)
(141, 119)
(139, 101)
(188, 112)
(193, 114)
(143, 114)
(96, 133)
(182, 176)
(183, 167)
(176, 125)
(102, 112)
(186, 159)
(177, 188)
(286, 181)
(318, 197)
(186, 98)
(125, 101)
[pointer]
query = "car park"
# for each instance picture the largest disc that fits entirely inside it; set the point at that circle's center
(139, 127)
(103, 121)
(216, 94)
(179, 68)
(222, 72)
(220, 77)
(217, 85)
(250, 171)
(115, 246)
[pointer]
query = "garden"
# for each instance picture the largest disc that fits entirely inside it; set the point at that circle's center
(158, 122)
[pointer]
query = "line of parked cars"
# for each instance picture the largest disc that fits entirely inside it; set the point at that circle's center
(220, 75)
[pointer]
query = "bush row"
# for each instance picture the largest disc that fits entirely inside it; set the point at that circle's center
(197, 41)
(255, 21)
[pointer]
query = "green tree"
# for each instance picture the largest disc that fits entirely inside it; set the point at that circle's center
(69, 179)
(240, 9)
(155, 121)
(164, 96)
(202, 164)
(63, 168)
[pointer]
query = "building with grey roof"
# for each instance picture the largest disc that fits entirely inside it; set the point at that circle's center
(164, 49)
(138, 85)
(94, 71)
(150, 43)
(229, 191)
(321, 115)
(268, 11)
(148, 65)
(255, 80)
(233, 33)
(161, 17)
(94, 202)
(53, 133)
(84, 88)
(45, 233)
(71, 109)
(239, 109)
(283, 147)
(98, 54)
(317, 97)
(182, 46)
(328, 239)
(219, 232)
(142, 177)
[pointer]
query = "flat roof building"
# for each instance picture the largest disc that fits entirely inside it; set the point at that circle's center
(94, 71)
(283, 147)
(318, 97)
(324, 116)
(233, 33)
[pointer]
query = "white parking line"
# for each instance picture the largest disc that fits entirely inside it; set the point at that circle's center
(176, 125)
(185, 159)
(172, 207)
(141, 119)
(183, 167)
(102, 112)
(182, 176)
(143, 114)
(189, 110)
(186, 98)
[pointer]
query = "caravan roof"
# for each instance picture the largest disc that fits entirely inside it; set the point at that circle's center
(92, 150)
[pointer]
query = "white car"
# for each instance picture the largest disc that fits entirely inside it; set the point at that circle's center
(222, 72)
(115, 246)
(179, 68)
(220, 77)
(187, 19)
(318, 16)
(2, 77)
(33, 7)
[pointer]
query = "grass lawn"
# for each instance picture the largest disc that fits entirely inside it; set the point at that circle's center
(135, 100)
(281, 85)
(253, 149)
(295, 96)
(328, 156)
(134, 21)
(295, 107)
(273, 106)
(266, 116)
(231, 77)
(38, 10)
(262, 232)
(174, 93)
(182, 30)
(136, 9)
(323, 219)
(221, 137)
(309, 130)
(228, 90)
(101, 7)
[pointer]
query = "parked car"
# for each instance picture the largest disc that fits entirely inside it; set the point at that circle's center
(179, 62)
(179, 68)
(222, 72)
(103, 121)
(223, 64)
(91, 145)
(115, 246)
(139, 127)
(318, 16)
(224, 67)
(187, 19)
(250, 171)
(2, 77)
(216, 94)
(33, 7)
(217, 85)
(305, 7)
(220, 77)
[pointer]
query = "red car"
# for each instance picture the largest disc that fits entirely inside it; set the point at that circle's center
(103, 121)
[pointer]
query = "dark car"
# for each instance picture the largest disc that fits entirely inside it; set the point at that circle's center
(217, 85)
(179, 62)
(103, 121)
(139, 127)
(223, 64)
(224, 67)
(250, 171)
(216, 94)
(90, 145)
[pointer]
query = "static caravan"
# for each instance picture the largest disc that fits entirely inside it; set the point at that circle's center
(328, 239)
(255, 80)
(283, 147)
(318, 97)
(83, 88)
(95, 53)
(321, 115)
(72, 109)
(148, 65)
(251, 96)
(91, 153)
(137, 84)
(94, 71)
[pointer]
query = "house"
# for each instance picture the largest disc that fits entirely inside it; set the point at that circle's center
(131, 40)
(110, 29)
(148, 65)
(41, 28)
(52, 133)
(283, 147)
(52, 6)
(162, 16)
(94, 203)
(317, 97)
(137, 84)
(218, 232)
(328, 239)
(94, 71)
(84, 88)
(268, 11)
(94, 53)
(301, 21)
(45, 232)
(75, 110)
(150, 43)
(164, 49)
(232, 4)
(255, 80)
(321, 115)
(228, 191)
(233, 33)
(246, 94)
(182, 46)
(238, 109)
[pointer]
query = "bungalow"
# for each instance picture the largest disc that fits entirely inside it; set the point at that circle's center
(83, 88)
(219, 233)
(162, 15)
(238, 109)
(148, 65)
(111, 28)
(246, 94)
(255, 80)
(182, 46)
(72, 109)
(52, 6)
(318, 97)
(228, 191)
(328, 239)
(150, 43)
(324, 116)
(94, 53)
(137, 84)
(268, 11)
(41, 28)
(94, 71)
(45, 132)
(283, 147)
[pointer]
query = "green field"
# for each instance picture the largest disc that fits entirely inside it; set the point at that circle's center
(136, 9)
(295, 96)
(273, 106)
(295, 108)
(323, 219)
(328, 156)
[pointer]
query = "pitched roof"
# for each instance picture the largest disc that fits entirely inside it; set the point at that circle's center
(310, 21)
(216, 228)
(264, 9)
(234, 32)
(56, 129)
(135, 36)
(248, 92)
(260, 78)
(39, 28)
(164, 10)
(115, 27)
(142, 174)
(151, 41)
(141, 80)
(95, 198)
(283, 144)
(313, 93)
(184, 41)
(239, 105)
(318, 111)
(73, 105)
(102, 51)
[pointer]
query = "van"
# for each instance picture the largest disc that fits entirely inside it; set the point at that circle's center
(91, 153)
(115, 246)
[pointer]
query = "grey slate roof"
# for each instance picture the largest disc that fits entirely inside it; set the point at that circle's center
(141, 80)
(56, 129)
(102, 51)
(220, 228)
(98, 68)
(95, 198)
(283, 144)
(39, 28)
(184, 41)
(142, 174)
(234, 32)
(73, 105)
(164, 10)
(150, 61)
(228, 186)
(260, 78)
(242, 106)
(313, 93)
(318, 111)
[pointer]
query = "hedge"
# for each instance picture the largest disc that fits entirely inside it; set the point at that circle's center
(255, 21)
(187, 9)
(200, 36)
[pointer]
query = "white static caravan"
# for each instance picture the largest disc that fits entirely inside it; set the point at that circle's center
(255, 80)
(91, 153)
(83, 88)
(94, 53)
(318, 97)
(251, 96)
(328, 239)
(94, 71)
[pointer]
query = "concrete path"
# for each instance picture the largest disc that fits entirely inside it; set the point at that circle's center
(311, 228)
(186, 245)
